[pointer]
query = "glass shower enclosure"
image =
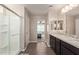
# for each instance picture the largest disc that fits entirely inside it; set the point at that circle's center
(9, 32)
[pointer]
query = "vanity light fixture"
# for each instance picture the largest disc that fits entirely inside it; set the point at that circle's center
(69, 7)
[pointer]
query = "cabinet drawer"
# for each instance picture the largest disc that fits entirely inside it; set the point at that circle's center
(52, 42)
(70, 47)
(65, 51)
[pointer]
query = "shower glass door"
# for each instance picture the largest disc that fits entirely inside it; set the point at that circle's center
(4, 32)
(14, 33)
(9, 32)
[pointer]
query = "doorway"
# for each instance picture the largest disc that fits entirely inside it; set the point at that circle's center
(41, 30)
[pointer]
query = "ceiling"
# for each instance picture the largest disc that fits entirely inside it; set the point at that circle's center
(74, 11)
(42, 9)
(58, 6)
(38, 9)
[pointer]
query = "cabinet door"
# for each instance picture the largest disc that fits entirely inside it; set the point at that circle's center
(57, 46)
(71, 48)
(52, 42)
(65, 51)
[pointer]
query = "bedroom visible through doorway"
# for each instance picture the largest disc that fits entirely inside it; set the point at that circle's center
(40, 30)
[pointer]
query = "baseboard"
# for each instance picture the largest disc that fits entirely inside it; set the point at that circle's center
(48, 45)
(33, 41)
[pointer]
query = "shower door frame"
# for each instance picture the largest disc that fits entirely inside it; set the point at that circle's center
(9, 25)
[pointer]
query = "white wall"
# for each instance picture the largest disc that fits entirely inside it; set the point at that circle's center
(70, 25)
(33, 29)
(27, 27)
(19, 9)
(77, 26)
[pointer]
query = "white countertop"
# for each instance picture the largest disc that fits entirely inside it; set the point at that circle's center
(67, 39)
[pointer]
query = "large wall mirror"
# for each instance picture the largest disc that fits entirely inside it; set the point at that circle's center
(57, 25)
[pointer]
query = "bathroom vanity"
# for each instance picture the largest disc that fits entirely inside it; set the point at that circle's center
(64, 45)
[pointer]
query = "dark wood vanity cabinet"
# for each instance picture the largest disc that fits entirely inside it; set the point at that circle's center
(52, 42)
(57, 46)
(62, 48)
(65, 50)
